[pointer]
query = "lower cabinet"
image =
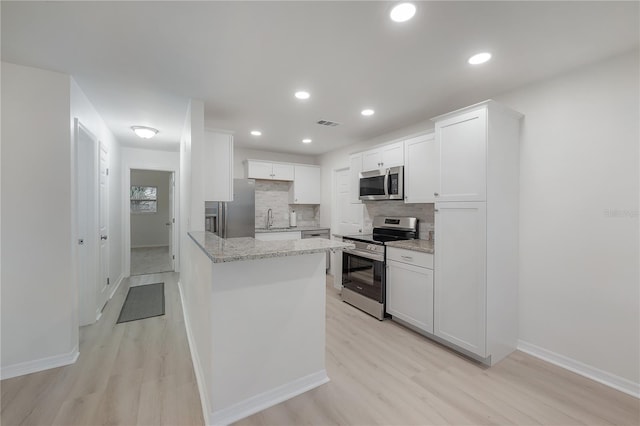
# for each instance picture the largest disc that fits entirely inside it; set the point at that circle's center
(409, 287)
(278, 236)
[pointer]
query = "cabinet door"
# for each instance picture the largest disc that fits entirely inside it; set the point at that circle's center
(410, 294)
(392, 155)
(462, 141)
(355, 167)
(460, 280)
(259, 169)
(306, 185)
(421, 169)
(371, 160)
(283, 171)
(218, 167)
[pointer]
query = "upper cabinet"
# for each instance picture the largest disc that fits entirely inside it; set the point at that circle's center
(462, 140)
(383, 157)
(306, 188)
(355, 167)
(218, 166)
(421, 169)
(268, 170)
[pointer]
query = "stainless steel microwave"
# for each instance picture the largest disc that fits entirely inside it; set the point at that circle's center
(383, 184)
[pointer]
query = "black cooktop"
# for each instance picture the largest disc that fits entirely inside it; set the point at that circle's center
(380, 238)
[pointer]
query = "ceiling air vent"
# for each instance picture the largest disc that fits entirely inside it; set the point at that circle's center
(327, 123)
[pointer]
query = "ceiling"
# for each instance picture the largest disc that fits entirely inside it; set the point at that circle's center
(140, 62)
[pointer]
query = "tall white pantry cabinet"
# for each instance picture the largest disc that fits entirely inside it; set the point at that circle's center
(476, 230)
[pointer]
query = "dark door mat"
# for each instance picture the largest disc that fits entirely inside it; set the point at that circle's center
(143, 301)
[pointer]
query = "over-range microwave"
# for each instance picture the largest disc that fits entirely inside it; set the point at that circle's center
(383, 184)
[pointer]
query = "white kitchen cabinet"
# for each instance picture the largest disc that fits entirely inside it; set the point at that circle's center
(355, 167)
(278, 236)
(269, 170)
(218, 166)
(306, 186)
(460, 262)
(462, 141)
(385, 156)
(421, 169)
(476, 231)
(409, 288)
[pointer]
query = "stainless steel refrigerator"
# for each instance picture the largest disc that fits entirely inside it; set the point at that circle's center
(236, 218)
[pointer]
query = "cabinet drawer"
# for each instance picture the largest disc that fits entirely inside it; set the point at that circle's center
(417, 258)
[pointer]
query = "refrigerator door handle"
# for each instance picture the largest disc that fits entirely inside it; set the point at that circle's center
(225, 220)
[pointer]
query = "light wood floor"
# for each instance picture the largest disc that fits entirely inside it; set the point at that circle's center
(381, 374)
(150, 260)
(138, 372)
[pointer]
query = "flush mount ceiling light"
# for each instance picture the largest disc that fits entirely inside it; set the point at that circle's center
(367, 112)
(480, 58)
(144, 132)
(256, 133)
(402, 12)
(306, 140)
(301, 94)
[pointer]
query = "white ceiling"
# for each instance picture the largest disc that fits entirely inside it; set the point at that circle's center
(140, 62)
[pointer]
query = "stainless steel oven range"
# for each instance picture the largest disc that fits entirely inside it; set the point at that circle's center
(364, 267)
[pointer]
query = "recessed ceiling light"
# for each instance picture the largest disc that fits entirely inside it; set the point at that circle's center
(144, 132)
(367, 112)
(302, 95)
(480, 58)
(402, 12)
(256, 132)
(306, 140)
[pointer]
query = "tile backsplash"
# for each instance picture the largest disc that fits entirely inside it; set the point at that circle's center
(274, 195)
(424, 213)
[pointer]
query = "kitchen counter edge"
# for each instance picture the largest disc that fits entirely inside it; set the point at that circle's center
(424, 246)
(221, 250)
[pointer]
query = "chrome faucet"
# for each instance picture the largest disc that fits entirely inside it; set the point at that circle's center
(269, 218)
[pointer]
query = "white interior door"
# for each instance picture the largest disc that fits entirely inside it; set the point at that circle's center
(350, 217)
(103, 229)
(171, 222)
(86, 272)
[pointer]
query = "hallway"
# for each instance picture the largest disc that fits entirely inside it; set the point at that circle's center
(138, 372)
(150, 260)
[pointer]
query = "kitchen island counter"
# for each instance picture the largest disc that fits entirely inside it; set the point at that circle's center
(291, 229)
(247, 248)
(255, 317)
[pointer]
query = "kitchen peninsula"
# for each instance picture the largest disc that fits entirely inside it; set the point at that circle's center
(255, 316)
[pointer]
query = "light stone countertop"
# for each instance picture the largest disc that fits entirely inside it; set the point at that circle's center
(246, 248)
(292, 229)
(424, 246)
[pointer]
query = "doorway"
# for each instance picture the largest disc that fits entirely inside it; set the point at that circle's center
(91, 224)
(151, 221)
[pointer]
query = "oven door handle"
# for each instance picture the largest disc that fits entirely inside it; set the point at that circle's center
(386, 183)
(366, 255)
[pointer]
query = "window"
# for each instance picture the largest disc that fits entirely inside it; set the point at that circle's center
(144, 199)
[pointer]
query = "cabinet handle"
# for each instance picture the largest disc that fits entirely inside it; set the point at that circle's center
(406, 197)
(435, 194)
(407, 257)
(436, 210)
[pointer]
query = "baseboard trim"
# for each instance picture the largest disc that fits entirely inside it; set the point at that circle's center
(268, 399)
(42, 364)
(197, 367)
(117, 286)
(593, 373)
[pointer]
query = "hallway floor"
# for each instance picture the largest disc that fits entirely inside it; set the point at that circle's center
(138, 372)
(150, 260)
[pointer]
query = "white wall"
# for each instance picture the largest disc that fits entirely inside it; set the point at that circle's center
(150, 229)
(39, 320)
(83, 110)
(149, 159)
(240, 156)
(579, 255)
